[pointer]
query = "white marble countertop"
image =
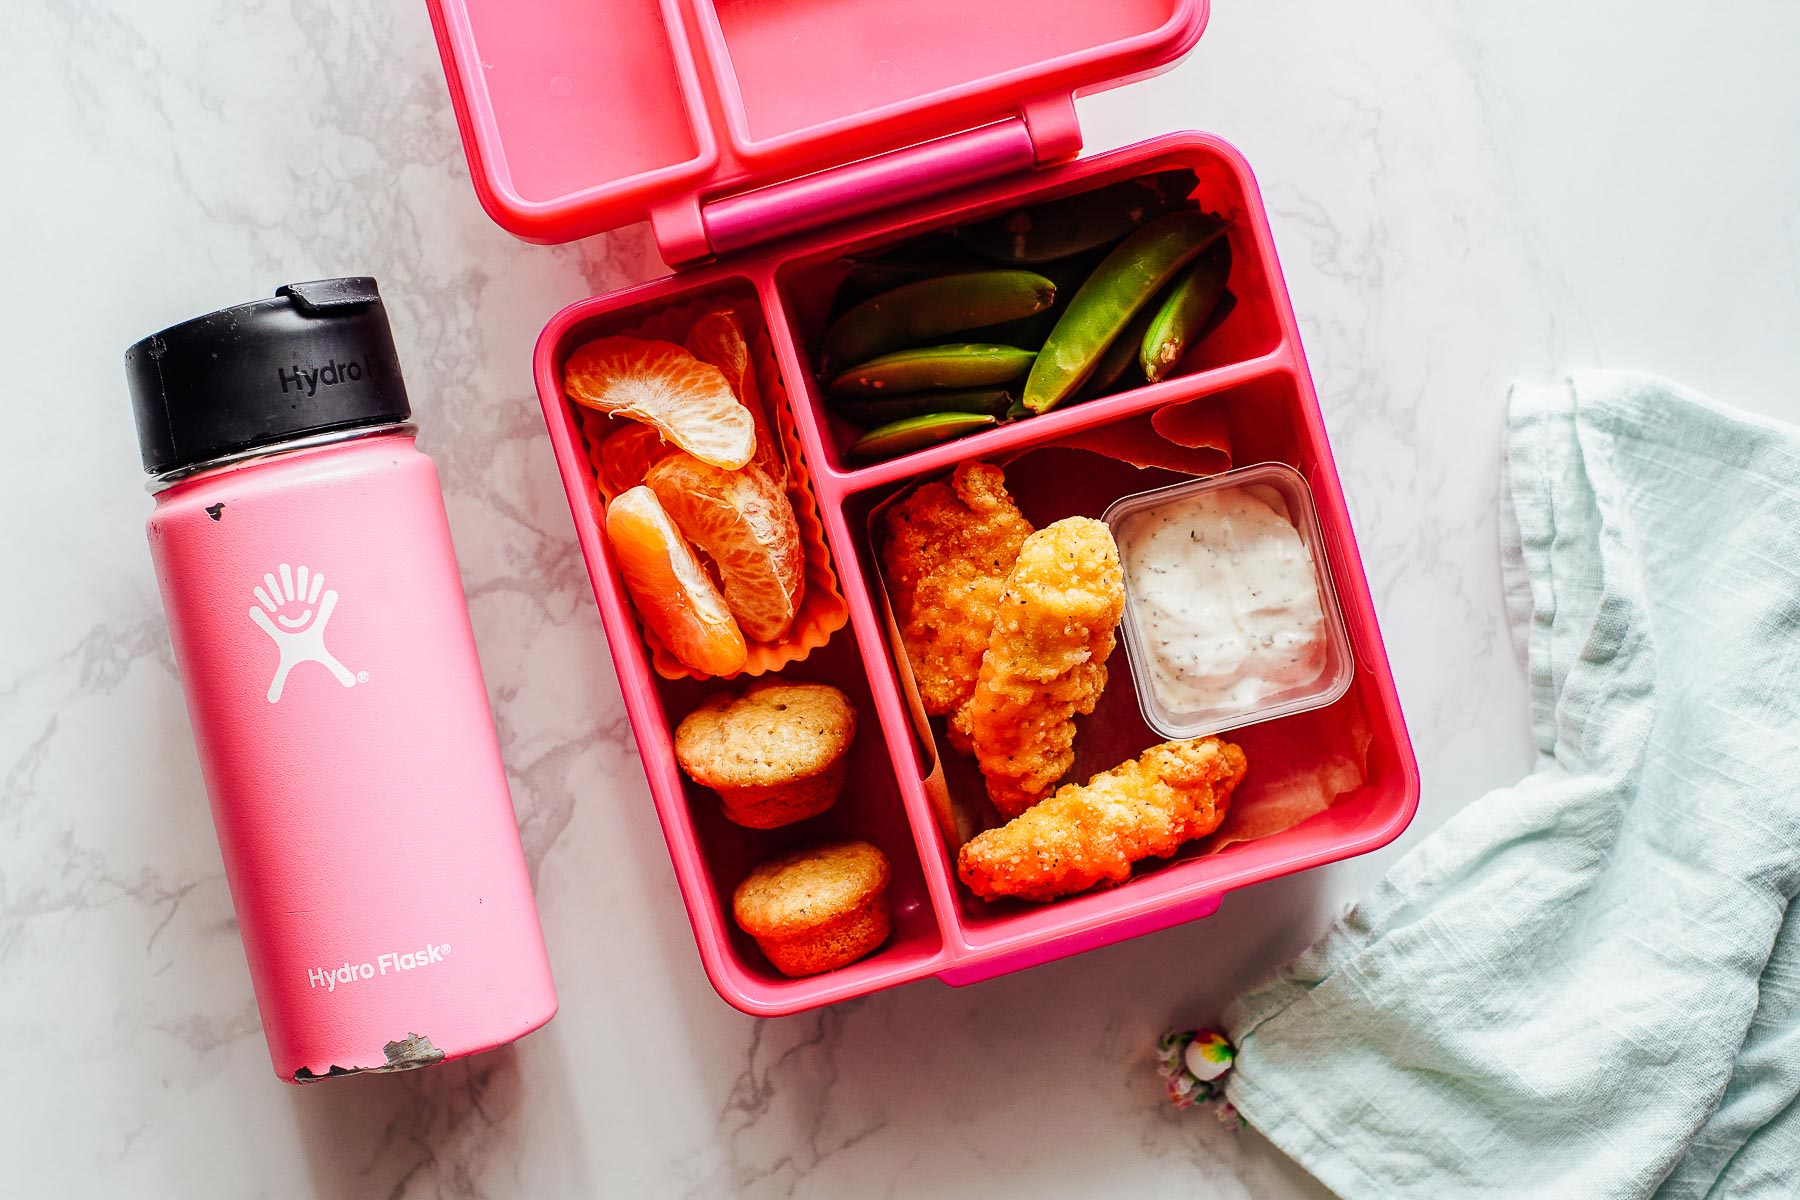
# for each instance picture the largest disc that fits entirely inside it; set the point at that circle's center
(1463, 194)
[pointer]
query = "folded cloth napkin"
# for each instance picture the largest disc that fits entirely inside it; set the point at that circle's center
(1588, 984)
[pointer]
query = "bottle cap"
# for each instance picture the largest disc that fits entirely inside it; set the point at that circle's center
(316, 357)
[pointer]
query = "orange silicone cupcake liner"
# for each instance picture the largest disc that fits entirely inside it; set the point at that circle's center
(823, 610)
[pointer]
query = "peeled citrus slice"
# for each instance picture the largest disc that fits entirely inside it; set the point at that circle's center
(674, 595)
(626, 455)
(664, 386)
(743, 520)
(718, 339)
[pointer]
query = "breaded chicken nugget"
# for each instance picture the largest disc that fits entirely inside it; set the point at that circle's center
(949, 548)
(1045, 661)
(1085, 834)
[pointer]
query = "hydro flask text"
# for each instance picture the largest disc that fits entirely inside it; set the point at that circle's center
(301, 380)
(391, 963)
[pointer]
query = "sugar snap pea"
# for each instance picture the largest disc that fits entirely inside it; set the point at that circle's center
(1184, 311)
(916, 433)
(1067, 274)
(870, 414)
(932, 308)
(1122, 285)
(1040, 233)
(930, 247)
(1121, 356)
(1119, 369)
(870, 276)
(960, 365)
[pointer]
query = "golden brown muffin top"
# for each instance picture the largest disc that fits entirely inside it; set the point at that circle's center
(809, 887)
(774, 733)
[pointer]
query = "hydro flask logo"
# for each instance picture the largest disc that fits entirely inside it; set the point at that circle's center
(307, 381)
(294, 611)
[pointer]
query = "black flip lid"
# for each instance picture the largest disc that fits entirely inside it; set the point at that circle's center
(314, 358)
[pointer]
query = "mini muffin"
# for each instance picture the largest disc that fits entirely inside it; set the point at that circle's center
(816, 909)
(775, 755)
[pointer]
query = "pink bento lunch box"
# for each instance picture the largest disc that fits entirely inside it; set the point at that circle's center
(764, 140)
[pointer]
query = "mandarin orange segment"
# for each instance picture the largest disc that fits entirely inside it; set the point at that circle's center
(717, 338)
(744, 523)
(674, 596)
(690, 402)
(626, 455)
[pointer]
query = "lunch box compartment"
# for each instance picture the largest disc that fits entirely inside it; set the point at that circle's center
(870, 809)
(822, 608)
(808, 284)
(1273, 405)
(572, 107)
(788, 69)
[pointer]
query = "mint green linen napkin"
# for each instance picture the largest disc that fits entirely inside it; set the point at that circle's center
(1588, 984)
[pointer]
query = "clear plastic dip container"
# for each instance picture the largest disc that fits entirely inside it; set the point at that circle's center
(1230, 613)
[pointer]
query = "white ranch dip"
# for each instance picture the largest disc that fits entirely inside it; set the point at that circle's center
(1225, 599)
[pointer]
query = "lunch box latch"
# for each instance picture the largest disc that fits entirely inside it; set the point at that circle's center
(689, 230)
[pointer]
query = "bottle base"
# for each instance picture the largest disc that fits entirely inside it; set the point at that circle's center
(412, 1052)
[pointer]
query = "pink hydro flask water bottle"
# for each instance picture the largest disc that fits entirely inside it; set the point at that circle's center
(324, 647)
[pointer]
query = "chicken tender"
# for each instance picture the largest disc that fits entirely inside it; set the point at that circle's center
(1045, 661)
(1087, 834)
(948, 551)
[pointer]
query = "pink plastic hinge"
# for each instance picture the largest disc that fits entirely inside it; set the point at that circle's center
(1046, 131)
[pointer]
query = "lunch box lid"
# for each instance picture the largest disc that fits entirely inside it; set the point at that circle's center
(728, 123)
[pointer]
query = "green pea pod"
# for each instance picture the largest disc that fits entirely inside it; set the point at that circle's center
(1119, 370)
(1068, 275)
(926, 309)
(1178, 320)
(872, 276)
(957, 366)
(870, 414)
(1117, 291)
(930, 247)
(1041, 233)
(916, 433)
(1121, 357)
